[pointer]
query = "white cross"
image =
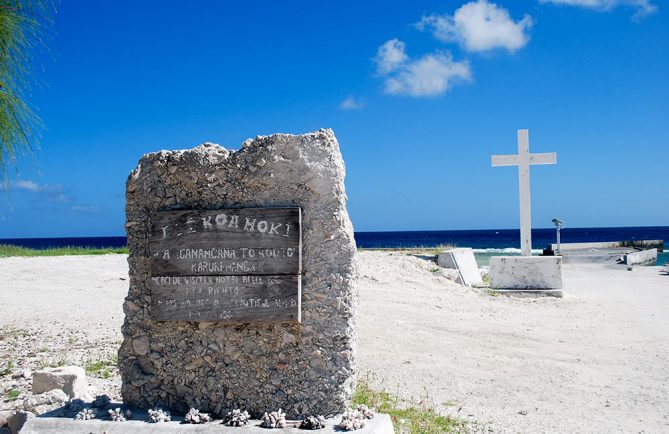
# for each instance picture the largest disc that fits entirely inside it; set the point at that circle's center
(523, 160)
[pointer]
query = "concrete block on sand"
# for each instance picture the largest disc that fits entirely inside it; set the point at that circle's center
(381, 424)
(524, 274)
(463, 260)
(70, 379)
(645, 257)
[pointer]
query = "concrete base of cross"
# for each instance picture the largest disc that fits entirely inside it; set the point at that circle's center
(526, 276)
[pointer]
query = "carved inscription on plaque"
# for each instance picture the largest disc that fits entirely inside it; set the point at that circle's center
(233, 265)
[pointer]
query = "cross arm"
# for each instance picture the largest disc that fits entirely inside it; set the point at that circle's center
(545, 158)
(505, 160)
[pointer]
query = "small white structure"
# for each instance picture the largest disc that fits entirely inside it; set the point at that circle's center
(462, 260)
(644, 257)
(526, 273)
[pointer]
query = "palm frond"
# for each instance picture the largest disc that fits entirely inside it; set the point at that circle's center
(23, 28)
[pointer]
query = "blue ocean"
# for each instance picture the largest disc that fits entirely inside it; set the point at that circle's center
(487, 243)
(484, 242)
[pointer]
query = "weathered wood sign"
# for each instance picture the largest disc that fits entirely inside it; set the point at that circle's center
(233, 265)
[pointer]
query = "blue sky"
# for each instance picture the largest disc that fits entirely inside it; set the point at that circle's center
(420, 94)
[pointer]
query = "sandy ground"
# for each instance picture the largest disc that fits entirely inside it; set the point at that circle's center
(61, 310)
(595, 361)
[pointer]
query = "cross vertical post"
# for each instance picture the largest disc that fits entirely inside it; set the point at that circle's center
(524, 193)
(524, 160)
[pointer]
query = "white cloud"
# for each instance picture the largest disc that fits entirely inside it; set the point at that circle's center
(390, 56)
(48, 192)
(54, 197)
(352, 103)
(479, 26)
(26, 185)
(643, 7)
(430, 75)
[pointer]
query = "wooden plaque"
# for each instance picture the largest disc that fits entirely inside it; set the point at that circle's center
(231, 265)
(226, 298)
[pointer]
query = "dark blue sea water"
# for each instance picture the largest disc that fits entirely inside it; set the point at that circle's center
(507, 239)
(47, 243)
(502, 241)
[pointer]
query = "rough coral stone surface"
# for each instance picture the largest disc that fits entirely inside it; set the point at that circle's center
(305, 368)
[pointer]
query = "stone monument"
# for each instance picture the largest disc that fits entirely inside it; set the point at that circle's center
(525, 275)
(242, 279)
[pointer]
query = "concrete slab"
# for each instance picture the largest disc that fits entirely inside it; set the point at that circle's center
(609, 255)
(645, 257)
(381, 424)
(600, 255)
(463, 260)
(638, 244)
(526, 273)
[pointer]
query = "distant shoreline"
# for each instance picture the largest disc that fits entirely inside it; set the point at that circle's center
(486, 243)
(484, 239)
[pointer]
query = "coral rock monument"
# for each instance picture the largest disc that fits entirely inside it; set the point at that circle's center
(242, 279)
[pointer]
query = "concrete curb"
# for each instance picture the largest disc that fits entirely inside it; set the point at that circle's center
(529, 293)
(381, 424)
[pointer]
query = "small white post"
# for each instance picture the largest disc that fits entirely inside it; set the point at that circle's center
(524, 160)
(558, 226)
(558, 241)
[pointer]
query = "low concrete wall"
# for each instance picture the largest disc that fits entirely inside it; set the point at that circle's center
(595, 256)
(645, 257)
(525, 272)
(639, 244)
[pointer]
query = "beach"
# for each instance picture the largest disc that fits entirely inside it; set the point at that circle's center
(594, 361)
